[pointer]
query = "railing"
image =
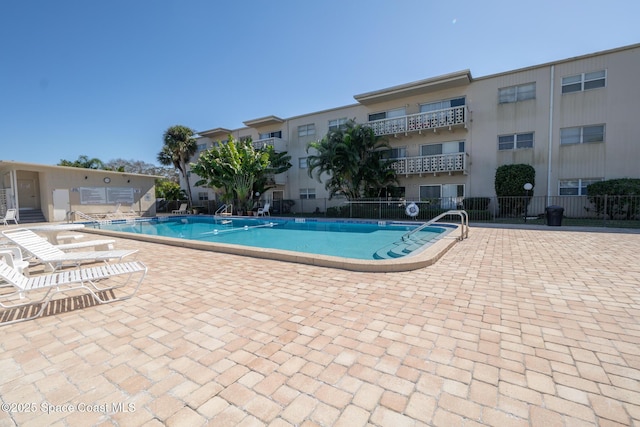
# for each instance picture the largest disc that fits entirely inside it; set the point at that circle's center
(464, 224)
(278, 144)
(431, 120)
(456, 162)
(601, 211)
(224, 210)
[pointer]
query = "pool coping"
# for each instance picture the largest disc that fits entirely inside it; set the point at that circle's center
(419, 259)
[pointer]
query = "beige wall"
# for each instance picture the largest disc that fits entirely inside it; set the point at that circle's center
(615, 106)
(49, 178)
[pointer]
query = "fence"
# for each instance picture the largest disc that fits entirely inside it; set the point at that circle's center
(606, 211)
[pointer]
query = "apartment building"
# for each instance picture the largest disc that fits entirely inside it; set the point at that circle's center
(572, 120)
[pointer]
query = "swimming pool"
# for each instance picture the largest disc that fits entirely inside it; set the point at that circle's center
(350, 244)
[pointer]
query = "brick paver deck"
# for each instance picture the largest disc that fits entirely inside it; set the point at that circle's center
(511, 327)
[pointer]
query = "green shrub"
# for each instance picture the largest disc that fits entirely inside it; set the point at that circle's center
(476, 203)
(509, 182)
(616, 198)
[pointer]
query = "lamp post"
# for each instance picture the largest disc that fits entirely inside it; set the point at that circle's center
(527, 187)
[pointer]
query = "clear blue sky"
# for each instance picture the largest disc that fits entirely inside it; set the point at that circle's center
(106, 78)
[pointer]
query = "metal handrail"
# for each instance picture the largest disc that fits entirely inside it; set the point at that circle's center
(223, 208)
(464, 224)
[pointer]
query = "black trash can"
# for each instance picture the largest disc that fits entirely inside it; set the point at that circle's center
(554, 215)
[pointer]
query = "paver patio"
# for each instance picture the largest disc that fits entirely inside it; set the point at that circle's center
(512, 327)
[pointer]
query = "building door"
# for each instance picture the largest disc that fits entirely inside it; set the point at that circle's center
(60, 204)
(276, 203)
(28, 194)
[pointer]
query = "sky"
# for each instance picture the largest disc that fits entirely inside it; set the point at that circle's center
(106, 78)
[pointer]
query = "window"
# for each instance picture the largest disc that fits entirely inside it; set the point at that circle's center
(575, 187)
(337, 124)
(448, 195)
(395, 153)
(517, 93)
(516, 141)
(307, 193)
(442, 105)
(306, 130)
(582, 135)
(397, 112)
(277, 134)
(302, 162)
(202, 147)
(203, 195)
(444, 148)
(584, 81)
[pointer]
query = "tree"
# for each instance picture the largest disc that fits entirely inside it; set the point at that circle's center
(354, 160)
(142, 168)
(179, 147)
(279, 162)
(83, 162)
(509, 185)
(169, 190)
(239, 170)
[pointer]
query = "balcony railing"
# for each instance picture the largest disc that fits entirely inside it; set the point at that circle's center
(279, 179)
(447, 118)
(278, 144)
(440, 163)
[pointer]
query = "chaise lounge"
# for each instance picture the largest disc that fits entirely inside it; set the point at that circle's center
(181, 210)
(9, 215)
(41, 289)
(53, 257)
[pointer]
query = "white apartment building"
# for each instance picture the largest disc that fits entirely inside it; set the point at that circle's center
(572, 120)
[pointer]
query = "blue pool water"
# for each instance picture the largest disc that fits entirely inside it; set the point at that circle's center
(359, 240)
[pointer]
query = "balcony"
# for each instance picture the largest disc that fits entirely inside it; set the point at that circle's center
(278, 144)
(448, 118)
(441, 163)
(279, 179)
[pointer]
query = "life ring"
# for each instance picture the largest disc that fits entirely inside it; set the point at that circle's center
(412, 209)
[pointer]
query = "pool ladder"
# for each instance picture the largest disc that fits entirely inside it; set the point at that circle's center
(224, 210)
(464, 224)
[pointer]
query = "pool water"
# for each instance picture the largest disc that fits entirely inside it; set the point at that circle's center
(359, 240)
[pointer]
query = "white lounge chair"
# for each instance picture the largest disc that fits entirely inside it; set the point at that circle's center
(181, 210)
(13, 257)
(118, 214)
(53, 257)
(42, 289)
(9, 215)
(264, 210)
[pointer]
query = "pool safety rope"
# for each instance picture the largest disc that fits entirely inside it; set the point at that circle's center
(245, 228)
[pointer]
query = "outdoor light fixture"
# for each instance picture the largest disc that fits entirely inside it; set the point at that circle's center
(527, 187)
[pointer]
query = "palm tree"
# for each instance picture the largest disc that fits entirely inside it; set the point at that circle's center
(179, 147)
(353, 158)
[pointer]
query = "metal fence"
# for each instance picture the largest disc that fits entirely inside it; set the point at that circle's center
(607, 211)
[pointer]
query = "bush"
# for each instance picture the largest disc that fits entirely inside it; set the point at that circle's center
(509, 182)
(616, 198)
(476, 203)
(479, 215)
